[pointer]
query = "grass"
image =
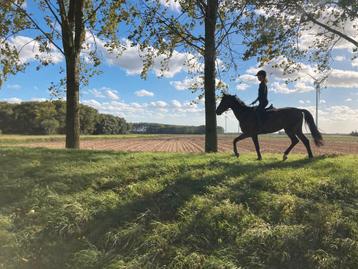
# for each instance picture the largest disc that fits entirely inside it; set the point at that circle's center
(23, 139)
(94, 209)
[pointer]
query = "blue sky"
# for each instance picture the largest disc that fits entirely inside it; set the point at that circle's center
(119, 90)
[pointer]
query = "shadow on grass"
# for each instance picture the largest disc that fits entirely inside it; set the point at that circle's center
(163, 206)
(28, 169)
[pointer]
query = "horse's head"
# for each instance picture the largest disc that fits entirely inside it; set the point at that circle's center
(226, 102)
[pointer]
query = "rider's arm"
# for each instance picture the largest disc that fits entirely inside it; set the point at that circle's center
(254, 102)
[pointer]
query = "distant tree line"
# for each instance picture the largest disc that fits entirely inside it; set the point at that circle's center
(49, 117)
(157, 128)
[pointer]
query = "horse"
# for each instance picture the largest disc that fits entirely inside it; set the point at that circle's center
(289, 118)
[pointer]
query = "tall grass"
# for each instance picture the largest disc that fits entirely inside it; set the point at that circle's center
(91, 209)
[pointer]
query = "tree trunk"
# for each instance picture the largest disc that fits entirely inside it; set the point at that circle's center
(72, 101)
(209, 77)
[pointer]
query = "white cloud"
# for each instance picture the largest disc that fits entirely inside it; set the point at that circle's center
(355, 62)
(304, 77)
(322, 101)
(131, 58)
(112, 94)
(313, 32)
(136, 105)
(194, 83)
(245, 81)
(280, 88)
(158, 111)
(336, 119)
(248, 78)
(297, 87)
(103, 92)
(342, 79)
(143, 92)
(187, 83)
(278, 73)
(348, 100)
(303, 87)
(96, 93)
(160, 104)
(92, 103)
(29, 50)
(242, 86)
(39, 99)
(187, 107)
(13, 100)
(176, 104)
(339, 58)
(172, 4)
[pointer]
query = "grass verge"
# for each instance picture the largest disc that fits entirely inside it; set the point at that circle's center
(93, 209)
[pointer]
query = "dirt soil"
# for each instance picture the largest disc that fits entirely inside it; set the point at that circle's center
(195, 144)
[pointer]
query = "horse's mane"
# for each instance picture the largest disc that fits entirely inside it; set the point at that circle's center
(242, 103)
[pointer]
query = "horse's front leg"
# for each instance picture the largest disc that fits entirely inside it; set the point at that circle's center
(237, 139)
(257, 147)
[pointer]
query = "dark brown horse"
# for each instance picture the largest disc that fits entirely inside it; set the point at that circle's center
(290, 119)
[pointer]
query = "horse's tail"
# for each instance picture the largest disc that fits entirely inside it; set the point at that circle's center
(317, 137)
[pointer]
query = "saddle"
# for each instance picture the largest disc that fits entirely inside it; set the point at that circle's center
(271, 107)
(265, 113)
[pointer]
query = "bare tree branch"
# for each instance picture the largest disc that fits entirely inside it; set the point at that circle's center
(53, 12)
(227, 31)
(325, 26)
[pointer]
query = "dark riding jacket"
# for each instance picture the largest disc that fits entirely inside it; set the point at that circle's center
(262, 98)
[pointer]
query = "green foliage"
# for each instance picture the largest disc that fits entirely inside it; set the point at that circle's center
(49, 126)
(277, 31)
(109, 124)
(156, 128)
(50, 118)
(10, 24)
(92, 209)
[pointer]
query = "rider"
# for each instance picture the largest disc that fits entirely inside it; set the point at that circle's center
(262, 98)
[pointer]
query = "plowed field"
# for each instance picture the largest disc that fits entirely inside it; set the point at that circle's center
(195, 144)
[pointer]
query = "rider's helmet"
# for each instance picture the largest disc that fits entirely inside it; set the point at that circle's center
(261, 73)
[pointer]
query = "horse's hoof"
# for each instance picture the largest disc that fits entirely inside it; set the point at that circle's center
(259, 158)
(284, 157)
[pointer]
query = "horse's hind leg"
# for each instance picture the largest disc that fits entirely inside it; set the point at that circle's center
(306, 142)
(237, 139)
(294, 141)
(257, 147)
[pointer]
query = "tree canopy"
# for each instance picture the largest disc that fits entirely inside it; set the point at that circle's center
(64, 27)
(49, 118)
